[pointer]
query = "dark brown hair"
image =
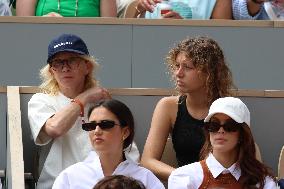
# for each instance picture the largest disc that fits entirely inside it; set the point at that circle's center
(123, 114)
(253, 171)
(207, 56)
(119, 182)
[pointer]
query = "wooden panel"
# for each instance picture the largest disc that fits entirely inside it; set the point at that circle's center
(15, 162)
(135, 21)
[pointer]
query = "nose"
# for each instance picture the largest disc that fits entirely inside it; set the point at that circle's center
(98, 130)
(221, 130)
(179, 72)
(65, 67)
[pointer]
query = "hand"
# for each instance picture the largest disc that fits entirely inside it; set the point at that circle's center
(52, 14)
(94, 94)
(173, 15)
(147, 5)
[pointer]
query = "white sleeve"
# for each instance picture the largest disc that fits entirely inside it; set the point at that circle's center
(132, 153)
(178, 180)
(62, 181)
(39, 110)
(270, 183)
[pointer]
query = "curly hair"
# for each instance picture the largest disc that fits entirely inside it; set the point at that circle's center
(206, 56)
(253, 171)
(50, 86)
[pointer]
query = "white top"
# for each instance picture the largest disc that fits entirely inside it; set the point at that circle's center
(85, 175)
(66, 150)
(191, 176)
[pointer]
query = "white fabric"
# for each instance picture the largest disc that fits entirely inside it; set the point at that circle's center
(0, 184)
(66, 150)
(191, 176)
(231, 106)
(273, 11)
(84, 175)
(188, 9)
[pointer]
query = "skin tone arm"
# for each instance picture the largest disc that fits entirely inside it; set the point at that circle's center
(108, 8)
(64, 119)
(222, 10)
(254, 8)
(26, 7)
(162, 121)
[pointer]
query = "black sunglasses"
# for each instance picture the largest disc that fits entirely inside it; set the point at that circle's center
(229, 126)
(104, 124)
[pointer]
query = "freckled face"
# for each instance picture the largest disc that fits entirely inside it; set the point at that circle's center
(188, 78)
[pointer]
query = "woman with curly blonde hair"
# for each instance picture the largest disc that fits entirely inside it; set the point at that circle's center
(55, 114)
(201, 75)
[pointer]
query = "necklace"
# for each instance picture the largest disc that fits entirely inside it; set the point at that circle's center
(76, 7)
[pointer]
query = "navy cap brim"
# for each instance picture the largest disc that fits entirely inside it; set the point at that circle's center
(66, 50)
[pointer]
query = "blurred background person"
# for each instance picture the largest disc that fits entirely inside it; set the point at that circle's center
(119, 182)
(66, 8)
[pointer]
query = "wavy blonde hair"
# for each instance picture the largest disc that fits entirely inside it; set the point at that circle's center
(50, 86)
(206, 56)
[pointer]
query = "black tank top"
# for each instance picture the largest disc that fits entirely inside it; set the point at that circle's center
(187, 136)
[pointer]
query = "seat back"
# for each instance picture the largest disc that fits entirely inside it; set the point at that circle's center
(130, 10)
(257, 152)
(281, 164)
(169, 155)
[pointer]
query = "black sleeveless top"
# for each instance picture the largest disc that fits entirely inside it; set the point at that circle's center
(187, 136)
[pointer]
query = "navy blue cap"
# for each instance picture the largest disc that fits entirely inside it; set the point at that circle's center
(67, 43)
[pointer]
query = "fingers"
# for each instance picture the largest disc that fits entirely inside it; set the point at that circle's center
(106, 94)
(173, 15)
(149, 5)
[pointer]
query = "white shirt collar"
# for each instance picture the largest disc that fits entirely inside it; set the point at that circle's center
(216, 168)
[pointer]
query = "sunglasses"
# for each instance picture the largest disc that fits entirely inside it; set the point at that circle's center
(229, 126)
(71, 63)
(104, 124)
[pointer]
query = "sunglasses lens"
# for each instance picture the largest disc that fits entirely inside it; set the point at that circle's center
(89, 126)
(231, 126)
(106, 124)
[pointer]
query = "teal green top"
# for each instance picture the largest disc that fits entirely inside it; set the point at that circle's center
(86, 8)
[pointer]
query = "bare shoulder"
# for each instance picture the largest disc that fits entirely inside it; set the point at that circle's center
(170, 101)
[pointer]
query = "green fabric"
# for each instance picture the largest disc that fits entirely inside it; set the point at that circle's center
(86, 8)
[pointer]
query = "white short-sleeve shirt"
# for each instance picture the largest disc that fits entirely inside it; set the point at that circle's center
(191, 176)
(66, 150)
(84, 175)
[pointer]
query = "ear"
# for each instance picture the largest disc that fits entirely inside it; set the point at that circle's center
(50, 70)
(88, 67)
(125, 132)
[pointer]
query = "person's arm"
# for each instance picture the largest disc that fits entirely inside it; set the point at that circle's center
(254, 6)
(108, 8)
(222, 10)
(26, 7)
(161, 127)
(248, 10)
(64, 119)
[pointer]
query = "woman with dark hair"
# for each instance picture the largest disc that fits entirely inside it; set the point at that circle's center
(201, 75)
(111, 131)
(229, 154)
(119, 182)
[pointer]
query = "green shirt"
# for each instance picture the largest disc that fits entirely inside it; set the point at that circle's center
(86, 8)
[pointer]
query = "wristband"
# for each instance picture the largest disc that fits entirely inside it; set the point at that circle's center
(81, 106)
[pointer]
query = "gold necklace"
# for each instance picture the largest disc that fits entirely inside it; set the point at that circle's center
(76, 7)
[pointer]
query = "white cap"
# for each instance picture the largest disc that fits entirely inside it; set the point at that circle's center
(232, 107)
